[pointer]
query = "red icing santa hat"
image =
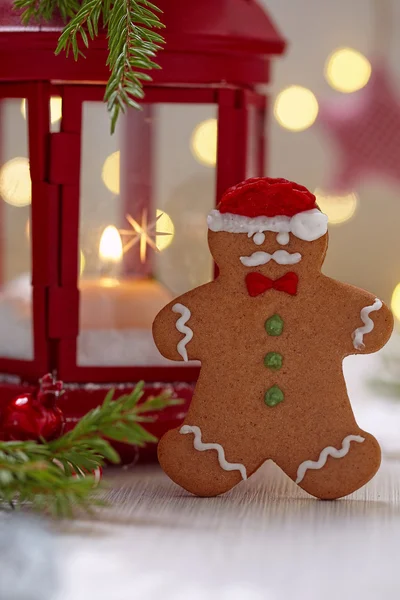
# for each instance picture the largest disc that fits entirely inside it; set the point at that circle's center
(266, 204)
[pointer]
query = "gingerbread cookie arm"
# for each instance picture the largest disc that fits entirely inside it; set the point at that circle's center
(175, 328)
(368, 322)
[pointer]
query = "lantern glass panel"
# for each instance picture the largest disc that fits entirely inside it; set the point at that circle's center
(145, 193)
(16, 323)
(254, 130)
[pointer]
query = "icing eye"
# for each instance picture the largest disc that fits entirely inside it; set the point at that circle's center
(282, 238)
(259, 238)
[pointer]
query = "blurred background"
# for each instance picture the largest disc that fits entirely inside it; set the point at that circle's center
(364, 238)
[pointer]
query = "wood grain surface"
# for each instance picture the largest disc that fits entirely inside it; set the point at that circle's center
(266, 539)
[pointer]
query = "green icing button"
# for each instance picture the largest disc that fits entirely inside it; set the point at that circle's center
(273, 360)
(273, 396)
(274, 325)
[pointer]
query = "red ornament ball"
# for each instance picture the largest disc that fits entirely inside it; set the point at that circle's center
(34, 416)
(266, 197)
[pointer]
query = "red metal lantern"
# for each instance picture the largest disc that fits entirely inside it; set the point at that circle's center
(107, 200)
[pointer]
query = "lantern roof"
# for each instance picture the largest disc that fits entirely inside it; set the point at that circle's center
(206, 41)
(223, 23)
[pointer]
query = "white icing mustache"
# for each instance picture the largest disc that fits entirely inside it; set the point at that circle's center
(281, 257)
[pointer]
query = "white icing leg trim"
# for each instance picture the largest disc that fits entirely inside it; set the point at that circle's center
(183, 328)
(198, 445)
(358, 334)
(323, 457)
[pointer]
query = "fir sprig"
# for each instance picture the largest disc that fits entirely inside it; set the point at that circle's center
(132, 45)
(44, 10)
(43, 474)
(132, 41)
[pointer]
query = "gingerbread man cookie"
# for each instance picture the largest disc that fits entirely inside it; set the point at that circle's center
(271, 333)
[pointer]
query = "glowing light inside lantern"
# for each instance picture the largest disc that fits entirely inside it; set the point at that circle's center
(15, 182)
(296, 108)
(338, 208)
(158, 234)
(347, 70)
(28, 230)
(110, 172)
(395, 302)
(204, 142)
(165, 230)
(110, 247)
(55, 108)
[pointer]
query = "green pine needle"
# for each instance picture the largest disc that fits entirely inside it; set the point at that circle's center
(132, 42)
(42, 474)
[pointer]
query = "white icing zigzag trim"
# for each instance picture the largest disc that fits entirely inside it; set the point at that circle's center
(198, 445)
(323, 457)
(183, 328)
(358, 334)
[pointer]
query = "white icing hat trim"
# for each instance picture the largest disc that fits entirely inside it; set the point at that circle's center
(308, 225)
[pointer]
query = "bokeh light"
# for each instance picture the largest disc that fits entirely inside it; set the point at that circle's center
(15, 182)
(338, 208)
(111, 172)
(204, 142)
(82, 263)
(347, 70)
(296, 108)
(395, 303)
(165, 225)
(55, 108)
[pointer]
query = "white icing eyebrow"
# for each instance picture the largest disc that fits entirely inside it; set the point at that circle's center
(259, 238)
(282, 238)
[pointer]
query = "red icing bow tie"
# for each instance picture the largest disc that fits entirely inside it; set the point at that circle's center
(257, 283)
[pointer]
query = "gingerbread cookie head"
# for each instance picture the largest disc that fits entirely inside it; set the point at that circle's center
(278, 222)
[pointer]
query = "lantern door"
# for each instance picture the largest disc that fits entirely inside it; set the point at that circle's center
(133, 219)
(25, 235)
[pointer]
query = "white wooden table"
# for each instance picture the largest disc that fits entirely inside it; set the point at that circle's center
(266, 539)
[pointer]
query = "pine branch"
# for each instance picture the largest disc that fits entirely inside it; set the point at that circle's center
(43, 474)
(132, 41)
(43, 10)
(132, 45)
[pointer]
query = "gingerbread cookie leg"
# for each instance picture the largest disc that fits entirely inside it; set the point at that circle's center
(202, 465)
(342, 466)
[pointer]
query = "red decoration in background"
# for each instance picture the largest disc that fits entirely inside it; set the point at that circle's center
(365, 127)
(33, 416)
(257, 283)
(267, 197)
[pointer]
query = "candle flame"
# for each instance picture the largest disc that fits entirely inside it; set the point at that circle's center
(110, 248)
